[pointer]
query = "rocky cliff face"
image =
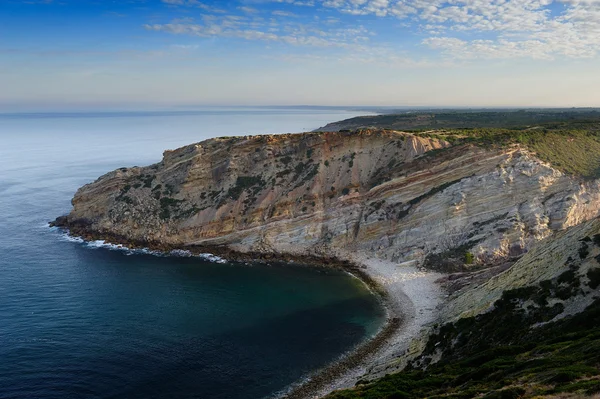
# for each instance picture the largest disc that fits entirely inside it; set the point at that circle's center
(390, 194)
(570, 253)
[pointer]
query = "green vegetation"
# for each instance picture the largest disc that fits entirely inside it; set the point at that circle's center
(500, 354)
(445, 119)
(243, 183)
(169, 206)
(594, 277)
(169, 189)
(452, 259)
(567, 139)
(584, 250)
(469, 258)
(172, 208)
(304, 172)
(573, 148)
(123, 197)
(146, 180)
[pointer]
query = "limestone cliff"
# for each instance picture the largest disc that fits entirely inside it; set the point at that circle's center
(390, 194)
(573, 251)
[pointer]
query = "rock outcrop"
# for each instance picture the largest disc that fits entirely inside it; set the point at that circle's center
(574, 251)
(393, 195)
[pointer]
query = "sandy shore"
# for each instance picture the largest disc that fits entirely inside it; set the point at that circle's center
(412, 298)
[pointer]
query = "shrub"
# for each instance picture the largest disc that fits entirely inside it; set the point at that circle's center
(594, 276)
(242, 183)
(509, 393)
(469, 258)
(583, 250)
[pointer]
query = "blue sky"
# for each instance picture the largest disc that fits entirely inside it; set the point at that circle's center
(169, 53)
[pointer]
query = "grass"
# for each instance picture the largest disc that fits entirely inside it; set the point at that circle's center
(474, 119)
(573, 148)
(500, 355)
(574, 152)
(567, 139)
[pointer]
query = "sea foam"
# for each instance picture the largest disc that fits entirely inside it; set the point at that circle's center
(102, 244)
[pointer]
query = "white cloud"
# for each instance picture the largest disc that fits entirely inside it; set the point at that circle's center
(192, 3)
(460, 29)
(527, 30)
(494, 28)
(279, 13)
(248, 10)
(273, 30)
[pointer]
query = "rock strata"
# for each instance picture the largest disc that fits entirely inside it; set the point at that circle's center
(391, 195)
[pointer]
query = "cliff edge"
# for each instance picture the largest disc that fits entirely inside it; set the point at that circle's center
(387, 194)
(390, 202)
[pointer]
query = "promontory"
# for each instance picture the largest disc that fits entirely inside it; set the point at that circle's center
(452, 218)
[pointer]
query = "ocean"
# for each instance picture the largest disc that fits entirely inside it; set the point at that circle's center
(87, 320)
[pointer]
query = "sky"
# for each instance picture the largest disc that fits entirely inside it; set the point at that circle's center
(185, 53)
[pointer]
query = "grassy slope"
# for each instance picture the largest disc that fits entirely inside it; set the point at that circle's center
(571, 147)
(569, 140)
(499, 355)
(460, 119)
(562, 357)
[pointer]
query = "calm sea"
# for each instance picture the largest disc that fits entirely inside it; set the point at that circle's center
(81, 320)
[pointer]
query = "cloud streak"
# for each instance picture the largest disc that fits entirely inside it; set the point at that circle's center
(492, 29)
(269, 30)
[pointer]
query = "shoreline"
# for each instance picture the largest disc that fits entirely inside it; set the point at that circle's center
(388, 281)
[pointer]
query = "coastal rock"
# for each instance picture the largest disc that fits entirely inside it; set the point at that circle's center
(574, 250)
(392, 195)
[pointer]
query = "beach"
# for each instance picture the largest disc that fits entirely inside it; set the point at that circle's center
(411, 297)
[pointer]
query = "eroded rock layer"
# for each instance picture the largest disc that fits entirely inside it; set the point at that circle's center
(390, 194)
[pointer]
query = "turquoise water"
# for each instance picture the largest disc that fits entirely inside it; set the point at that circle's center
(79, 320)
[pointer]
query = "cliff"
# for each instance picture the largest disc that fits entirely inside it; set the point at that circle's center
(532, 331)
(473, 202)
(393, 195)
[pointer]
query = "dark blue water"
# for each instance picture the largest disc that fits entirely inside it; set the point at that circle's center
(81, 321)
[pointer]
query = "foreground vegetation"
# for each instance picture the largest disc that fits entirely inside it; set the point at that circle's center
(505, 353)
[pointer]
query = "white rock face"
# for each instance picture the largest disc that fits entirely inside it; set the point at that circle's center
(547, 260)
(382, 193)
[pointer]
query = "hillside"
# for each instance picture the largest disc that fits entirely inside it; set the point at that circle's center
(467, 203)
(455, 119)
(531, 331)
(393, 195)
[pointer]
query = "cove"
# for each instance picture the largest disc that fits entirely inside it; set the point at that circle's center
(83, 321)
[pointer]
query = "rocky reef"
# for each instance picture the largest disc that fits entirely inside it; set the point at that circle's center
(391, 195)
